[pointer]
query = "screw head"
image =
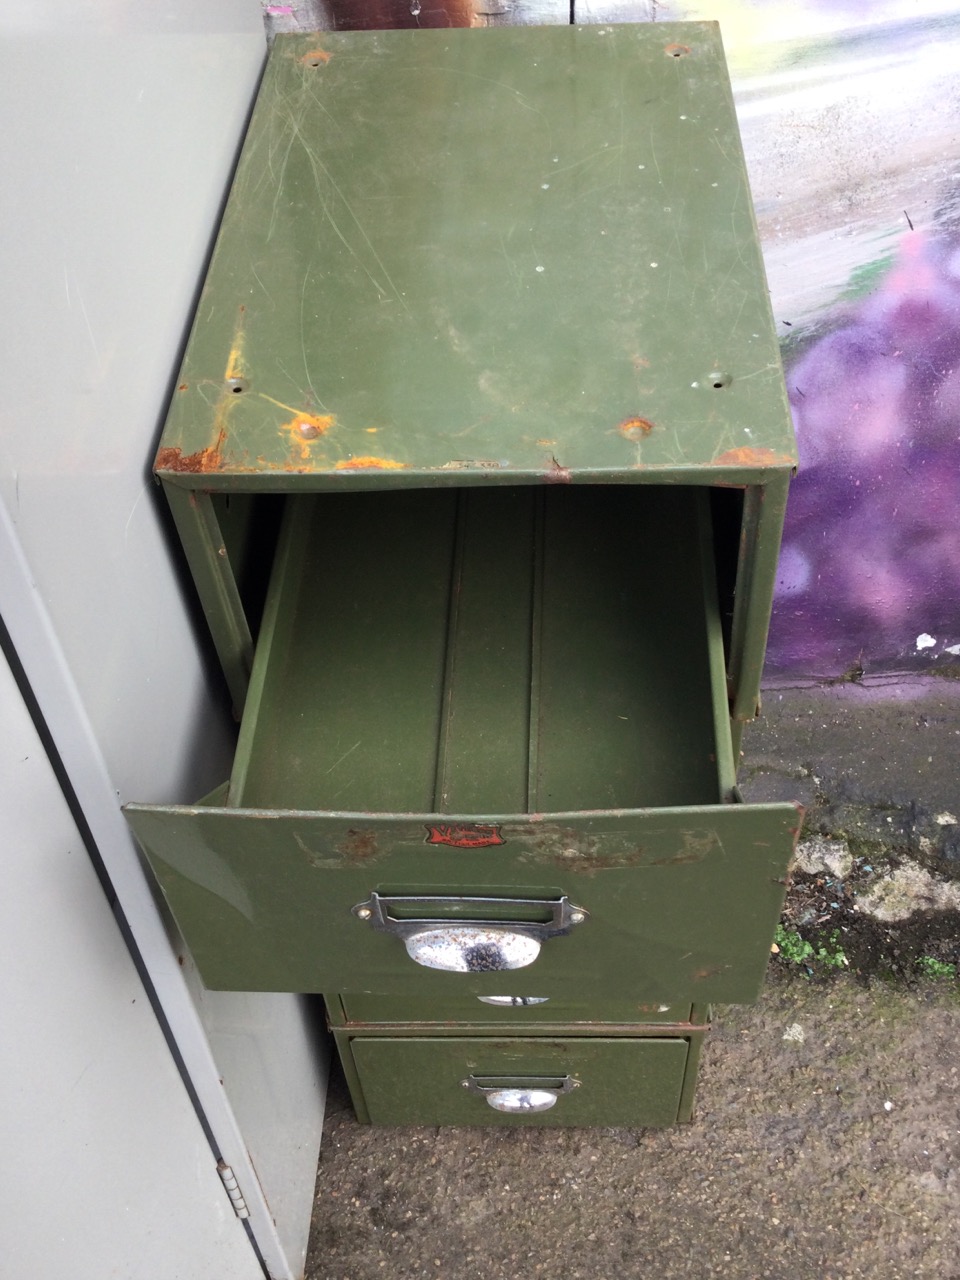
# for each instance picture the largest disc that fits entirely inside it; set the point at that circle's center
(364, 913)
(576, 917)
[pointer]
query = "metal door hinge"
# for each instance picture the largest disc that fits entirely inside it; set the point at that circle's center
(233, 1190)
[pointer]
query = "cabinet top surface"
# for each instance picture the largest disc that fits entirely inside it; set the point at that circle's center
(493, 255)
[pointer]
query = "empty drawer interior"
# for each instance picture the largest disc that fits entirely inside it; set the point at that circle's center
(489, 650)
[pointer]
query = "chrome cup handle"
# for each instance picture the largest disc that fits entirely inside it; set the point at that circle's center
(516, 1095)
(470, 945)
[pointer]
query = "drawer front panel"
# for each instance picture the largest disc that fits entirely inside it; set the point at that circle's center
(681, 904)
(509, 1009)
(596, 1081)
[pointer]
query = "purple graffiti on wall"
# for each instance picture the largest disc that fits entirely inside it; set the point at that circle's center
(870, 569)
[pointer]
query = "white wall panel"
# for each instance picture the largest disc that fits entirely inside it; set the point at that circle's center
(121, 123)
(102, 1150)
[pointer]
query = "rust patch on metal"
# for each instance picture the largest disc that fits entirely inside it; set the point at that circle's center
(557, 474)
(304, 428)
(369, 464)
(359, 846)
(204, 460)
(676, 50)
(183, 386)
(465, 835)
(316, 58)
(236, 367)
(747, 456)
(635, 428)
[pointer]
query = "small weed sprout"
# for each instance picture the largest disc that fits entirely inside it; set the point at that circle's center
(798, 950)
(933, 968)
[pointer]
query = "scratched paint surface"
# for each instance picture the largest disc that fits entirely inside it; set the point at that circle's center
(266, 897)
(455, 255)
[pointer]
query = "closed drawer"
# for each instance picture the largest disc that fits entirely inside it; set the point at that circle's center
(504, 1010)
(467, 1081)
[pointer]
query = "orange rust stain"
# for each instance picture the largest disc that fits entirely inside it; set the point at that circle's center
(545, 444)
(235, 364)
(371, 431)
(676, 50)
(369, 464)
(183, 386)
(305, 428)
(635, 428)
(204, 460)
(747, 456)
(557, 474)
(315, 57)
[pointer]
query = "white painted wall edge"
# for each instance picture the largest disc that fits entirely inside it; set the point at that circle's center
(95, 1177)
(41, 656)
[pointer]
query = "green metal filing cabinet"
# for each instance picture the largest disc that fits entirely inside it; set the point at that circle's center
(479, 455)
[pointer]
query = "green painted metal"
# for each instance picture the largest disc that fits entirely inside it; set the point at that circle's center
(374, 316)
(216, 582)
(502, 650)
(617, 1006)
(620, 1082)
(513, 254)
(682, 902)
(486, 327)
(690, 1079)
(764, 509)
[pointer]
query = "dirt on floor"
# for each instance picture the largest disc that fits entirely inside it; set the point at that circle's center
(825, 1145)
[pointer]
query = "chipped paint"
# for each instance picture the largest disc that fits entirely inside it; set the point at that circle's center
(358, 845)
(467, 464)
(635, 428)
(557, 474)
(236, 366)
(369, 464)
(204, 460)
(747, 456)
(211, 458)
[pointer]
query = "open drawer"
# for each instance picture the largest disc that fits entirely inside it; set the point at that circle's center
(486, 741)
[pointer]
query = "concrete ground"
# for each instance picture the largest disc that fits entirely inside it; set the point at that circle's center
(826, 1137)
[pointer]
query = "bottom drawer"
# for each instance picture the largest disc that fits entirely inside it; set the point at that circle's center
(577, 1081)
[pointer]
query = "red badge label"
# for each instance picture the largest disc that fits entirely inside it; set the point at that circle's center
(464, 835)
